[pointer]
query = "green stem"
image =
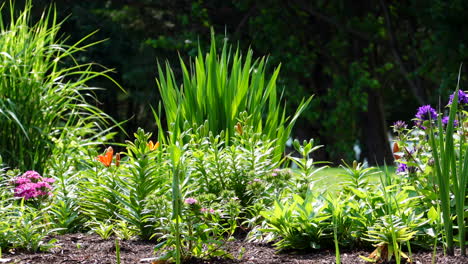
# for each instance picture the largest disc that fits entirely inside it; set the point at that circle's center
(337, 246)
(117, 251)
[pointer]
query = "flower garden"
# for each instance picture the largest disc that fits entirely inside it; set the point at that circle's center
(217, 172)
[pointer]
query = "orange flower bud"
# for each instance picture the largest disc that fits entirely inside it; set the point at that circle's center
(239, 128)
(117, 159)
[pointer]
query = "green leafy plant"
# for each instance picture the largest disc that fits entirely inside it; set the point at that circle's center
(357, 176)
(99, 188)
(192, 230)
(218, 87)
(178, 170)
(397, 222)
(388, 234)
(73, 152)
(66, 216)
(307, 167)
(337, 214)
(299, 223)
(28, 228)
(117, 251)
(103, 229)
(138, 179)
(244, 168)
(40, 98)
(451, 169)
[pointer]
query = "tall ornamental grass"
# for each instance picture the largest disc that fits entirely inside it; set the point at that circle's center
(451, 170)
(40, 97)
(218, 87)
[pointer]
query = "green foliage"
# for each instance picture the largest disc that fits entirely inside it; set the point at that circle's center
(104, 229)
(98, 188)
(201, 232)
(388, 234)
(40, 99)
(73, 152)
(24, 227)
(337, 216)
(451, 170)
(304, 180)
(141, 177)
(244, 167)
(357, 176)
(436, 163)
(66, 216)
(299, 223)
(218, 87)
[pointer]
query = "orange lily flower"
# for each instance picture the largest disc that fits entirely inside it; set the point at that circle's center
(106, 159)
(152, 146)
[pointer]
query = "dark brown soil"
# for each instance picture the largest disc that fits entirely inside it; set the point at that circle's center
(87, 249)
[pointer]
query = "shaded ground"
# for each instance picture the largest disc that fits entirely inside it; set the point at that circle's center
(87, 249)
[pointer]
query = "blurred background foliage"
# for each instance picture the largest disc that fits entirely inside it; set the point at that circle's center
(369, 63)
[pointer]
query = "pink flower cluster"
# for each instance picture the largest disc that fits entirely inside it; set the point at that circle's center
(190, 201)
(206, 210)
(32, 185)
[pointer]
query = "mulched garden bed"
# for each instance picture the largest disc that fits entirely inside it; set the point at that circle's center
(87, 249)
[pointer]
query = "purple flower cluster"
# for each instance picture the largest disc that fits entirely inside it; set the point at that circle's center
(425, 113)
(402, 167)
(32, 185)
(462, 98)
(446, 119)
(399, 126)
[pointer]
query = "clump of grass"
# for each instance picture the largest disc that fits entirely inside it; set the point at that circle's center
(40, 98)
(218, 88)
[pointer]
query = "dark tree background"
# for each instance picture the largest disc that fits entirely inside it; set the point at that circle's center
(368, 63)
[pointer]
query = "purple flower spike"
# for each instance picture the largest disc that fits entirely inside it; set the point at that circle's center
(462, 98)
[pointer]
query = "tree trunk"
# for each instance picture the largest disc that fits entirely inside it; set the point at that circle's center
(374, 131)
